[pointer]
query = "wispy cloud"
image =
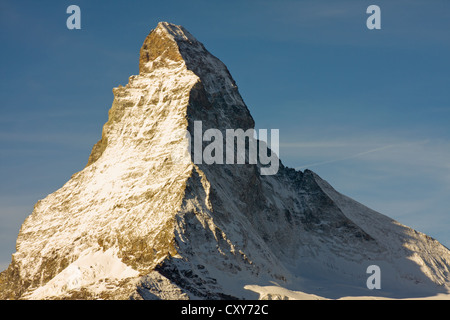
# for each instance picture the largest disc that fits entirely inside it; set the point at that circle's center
(354, 155)
(50, 138)
(345, 158)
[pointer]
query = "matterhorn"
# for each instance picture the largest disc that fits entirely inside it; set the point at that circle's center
(143, 220)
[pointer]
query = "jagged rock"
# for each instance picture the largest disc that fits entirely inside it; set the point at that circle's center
(142, 221)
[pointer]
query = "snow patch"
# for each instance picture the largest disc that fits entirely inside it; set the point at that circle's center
(91, 268)
(280, 293)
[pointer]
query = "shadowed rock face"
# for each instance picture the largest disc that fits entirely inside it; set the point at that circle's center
(177, 230)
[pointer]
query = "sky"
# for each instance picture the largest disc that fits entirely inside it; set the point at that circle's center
(367, 110)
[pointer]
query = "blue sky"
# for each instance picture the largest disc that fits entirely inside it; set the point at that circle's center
(368, 110)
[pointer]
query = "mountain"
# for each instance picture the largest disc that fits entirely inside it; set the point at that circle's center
(143, 220)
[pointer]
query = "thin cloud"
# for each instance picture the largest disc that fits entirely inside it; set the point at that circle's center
(352, 145)
(345, 158)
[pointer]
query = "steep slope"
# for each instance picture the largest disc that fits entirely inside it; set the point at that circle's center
(143, 221)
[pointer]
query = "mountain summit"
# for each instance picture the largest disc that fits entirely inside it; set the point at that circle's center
(143, 221)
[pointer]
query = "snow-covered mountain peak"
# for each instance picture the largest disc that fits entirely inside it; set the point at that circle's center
(169, 46)
(178, 33)
(142, 220)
